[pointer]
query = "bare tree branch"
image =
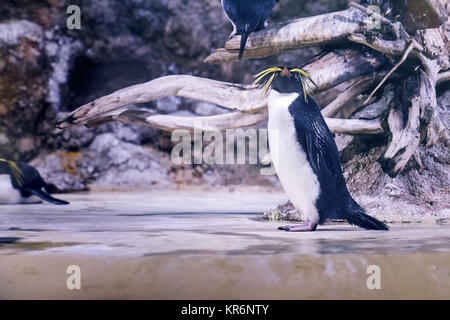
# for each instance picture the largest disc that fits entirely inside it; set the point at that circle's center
(404, 138)
(354, 126)
(405, 126)
(394, 48)
(339, 66)
(443, 77)
(369, 12)
(227, 95)
(356, 88)
(225, 121)
(328, 71)
(295, 34)
(208, 123)
(398, 64)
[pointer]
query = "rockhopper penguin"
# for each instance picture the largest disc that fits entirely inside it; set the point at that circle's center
(247, 16)
(21, 183)
(305, 155)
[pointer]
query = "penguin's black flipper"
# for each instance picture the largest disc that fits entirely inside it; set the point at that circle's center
(46, 197)
(244, 37)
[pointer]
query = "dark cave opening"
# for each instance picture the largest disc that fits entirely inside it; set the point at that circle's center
(90, 79)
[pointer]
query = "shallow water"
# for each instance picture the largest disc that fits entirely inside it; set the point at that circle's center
(169, 239)
(159, 223)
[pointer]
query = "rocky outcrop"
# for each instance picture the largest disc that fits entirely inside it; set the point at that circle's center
(23, 88)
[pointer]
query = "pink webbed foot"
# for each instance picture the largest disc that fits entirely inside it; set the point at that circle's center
(308, 226)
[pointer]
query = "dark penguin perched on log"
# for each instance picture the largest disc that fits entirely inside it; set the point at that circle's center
(21, 183)
(247, 16)
(305, 155)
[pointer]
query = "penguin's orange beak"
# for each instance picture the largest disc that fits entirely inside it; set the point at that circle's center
(285, 72)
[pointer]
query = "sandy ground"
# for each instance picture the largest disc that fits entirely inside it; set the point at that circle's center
(210, 245)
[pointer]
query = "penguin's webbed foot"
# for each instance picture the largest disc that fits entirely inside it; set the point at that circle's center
(308, 226)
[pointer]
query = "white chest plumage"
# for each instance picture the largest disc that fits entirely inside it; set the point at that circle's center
(9, 195)
(290, 161)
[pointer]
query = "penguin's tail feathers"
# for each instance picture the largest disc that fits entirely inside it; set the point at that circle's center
(356, 215)
(244, 37)
(46, 197)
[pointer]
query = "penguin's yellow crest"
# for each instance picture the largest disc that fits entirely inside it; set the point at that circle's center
(265, 78)
(15, 170)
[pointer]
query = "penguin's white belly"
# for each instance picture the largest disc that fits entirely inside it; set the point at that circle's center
(9, 195)
(290, 161)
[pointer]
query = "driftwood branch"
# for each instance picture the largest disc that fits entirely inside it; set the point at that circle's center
(294, 34)
(208, 123)
(405, 137)
(378, 108)
(428, 100)
(392, 48)
(354, 126)
(226, 121)
(218, 122)
(443, 77)
(407, 125)
(355, 89)
(329, 71)
(342, 65)
(369, 12)
(397, 65)
(227, 95)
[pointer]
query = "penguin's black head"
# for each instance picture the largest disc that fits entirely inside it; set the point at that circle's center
(285, 80)
(13, 169)
(4, 167)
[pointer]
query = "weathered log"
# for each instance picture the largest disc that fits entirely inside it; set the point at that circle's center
(443, 77)
(227, 95)
(406, 125)
(356, 88)
(368, 11)
(294, 34)
(392, 48)
(207, 123)
(378, 108)
(354, 126)
(413, 45)
(225, 121)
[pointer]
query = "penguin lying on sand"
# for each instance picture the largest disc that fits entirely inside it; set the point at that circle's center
(247, 16)
(20, 182)
(305, 155)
